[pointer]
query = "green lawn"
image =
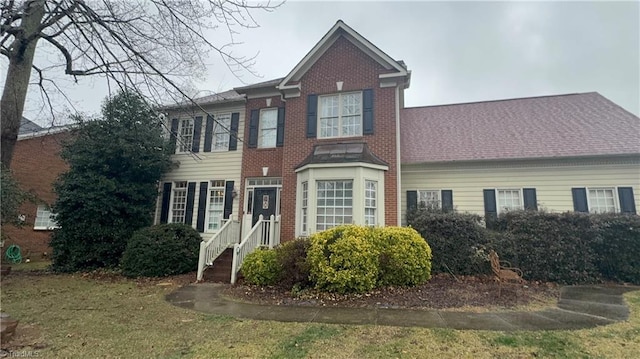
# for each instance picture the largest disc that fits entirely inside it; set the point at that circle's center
(77, 316)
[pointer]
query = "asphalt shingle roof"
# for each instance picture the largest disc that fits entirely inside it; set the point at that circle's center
(572, 125)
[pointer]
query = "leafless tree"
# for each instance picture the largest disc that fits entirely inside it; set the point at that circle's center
(156, 47)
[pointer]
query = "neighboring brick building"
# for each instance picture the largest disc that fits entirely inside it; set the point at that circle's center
(36, 165)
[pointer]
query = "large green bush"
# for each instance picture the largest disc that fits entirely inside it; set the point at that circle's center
(161, 250)
(344, 259)
(617, 246)
(555, 247)
(405, 257)
(292, 259)
(261, 267)
(455, 239)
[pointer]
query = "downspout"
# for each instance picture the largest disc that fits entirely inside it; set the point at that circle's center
(399, 175)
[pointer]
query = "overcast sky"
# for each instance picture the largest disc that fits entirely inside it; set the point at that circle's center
(457, 51)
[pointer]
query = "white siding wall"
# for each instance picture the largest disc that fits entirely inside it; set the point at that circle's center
(207, 166)
(552, 179)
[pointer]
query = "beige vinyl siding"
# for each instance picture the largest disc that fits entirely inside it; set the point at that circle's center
(207, 166)
(552, 179)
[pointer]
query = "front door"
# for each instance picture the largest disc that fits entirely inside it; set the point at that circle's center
(264, 203)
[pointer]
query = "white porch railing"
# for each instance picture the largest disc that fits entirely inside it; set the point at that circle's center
(213, 248)
(265, 233)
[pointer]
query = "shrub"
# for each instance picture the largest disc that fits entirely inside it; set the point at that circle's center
(454, 238)
(261, 267)
(405, 257)
(343, 259)
(617, 246)
(161, 250)
(556, 247)
(292, 258)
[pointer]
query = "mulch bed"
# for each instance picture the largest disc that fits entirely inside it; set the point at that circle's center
(441, 292)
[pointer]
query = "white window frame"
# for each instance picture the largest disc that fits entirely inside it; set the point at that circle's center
(45, 219)
(326, 224)
(185, 140)
(370, 202)
(261, 128)
(219, 187)
(614, 192)
(341, 116)
(221, 128)
(499, 208)
(174, 191)
(437, 203)
(305, 208)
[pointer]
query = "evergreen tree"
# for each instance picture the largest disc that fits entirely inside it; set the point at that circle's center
(110, 189)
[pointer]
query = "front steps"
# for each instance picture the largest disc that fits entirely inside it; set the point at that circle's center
(220, 272)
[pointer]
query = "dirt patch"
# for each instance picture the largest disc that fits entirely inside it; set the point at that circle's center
(441, 292)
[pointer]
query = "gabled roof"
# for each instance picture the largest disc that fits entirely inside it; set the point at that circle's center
(572, 125)
(213, 99)
(271, 83)
(341, 29)
(27, 126)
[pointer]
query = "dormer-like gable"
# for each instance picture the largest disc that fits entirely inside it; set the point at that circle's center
(395, 72)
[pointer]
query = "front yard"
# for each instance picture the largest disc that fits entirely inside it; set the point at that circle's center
(109, 316)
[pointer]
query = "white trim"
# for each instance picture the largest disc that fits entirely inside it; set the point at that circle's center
(520, 194)
(342, 165)
(398, 160)
(340, 96)
(260, 128)
(616, 199)
(340, 29)
(211, 188)
(45, 132)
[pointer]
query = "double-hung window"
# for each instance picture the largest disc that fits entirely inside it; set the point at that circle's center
(216, 205)
(370, 189)
(305, 205)
(179, 203)
(429, 199)
(268, 128)
(45, 219)
(602, 200)
(334, 204)
(340, 115)
(509, 200)
(185, 135)
(221, 130)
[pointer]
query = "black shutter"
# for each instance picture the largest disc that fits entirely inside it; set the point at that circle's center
(166, 198)
(208, 134)
(197, 130)
(530, 199)
(627, 202)
(490, 208)
(312, 115)
(228, 199)
(412, 200)
(367, 112)
(580, 200)
(280, 130)
(233, 137)
(202, 206)
(253, 128)
(447, 200)
(174, 132)
(191, 194)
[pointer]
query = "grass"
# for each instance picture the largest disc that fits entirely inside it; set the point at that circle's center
(77, 316)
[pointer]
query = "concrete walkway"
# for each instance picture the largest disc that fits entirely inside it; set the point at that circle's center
(579, 307)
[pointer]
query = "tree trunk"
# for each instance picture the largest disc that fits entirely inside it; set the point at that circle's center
(16, 83)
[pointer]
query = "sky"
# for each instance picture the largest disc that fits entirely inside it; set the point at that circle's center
(457, 51)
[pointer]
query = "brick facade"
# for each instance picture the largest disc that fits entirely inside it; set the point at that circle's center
(345, 62)
(36, 165)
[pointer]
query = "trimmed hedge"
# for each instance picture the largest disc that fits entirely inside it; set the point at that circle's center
(292, 258)
(261, 267)
(161, 250)
(617, 247)
(456, 240)
(405, 257)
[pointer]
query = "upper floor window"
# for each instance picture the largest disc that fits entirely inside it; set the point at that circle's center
(185, 135)
(602, 200)
(340, 115)
(221, 132)
(268, 128)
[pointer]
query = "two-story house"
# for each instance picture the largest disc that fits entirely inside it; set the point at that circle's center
(331, 142)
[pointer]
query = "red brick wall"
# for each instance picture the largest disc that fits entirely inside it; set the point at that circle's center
(343, 61)
(36, 165)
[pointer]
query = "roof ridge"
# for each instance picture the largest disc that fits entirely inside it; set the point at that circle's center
(502, 100)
